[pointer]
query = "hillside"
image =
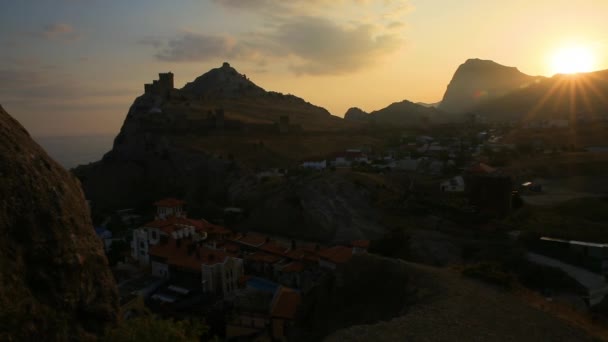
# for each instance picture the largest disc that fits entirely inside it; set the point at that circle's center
(450, 307)
(404, 113)
(244, 101)
(477, 81)
(571, 97)
(55, 283)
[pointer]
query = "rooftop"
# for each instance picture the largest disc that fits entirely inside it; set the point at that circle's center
(169, 203)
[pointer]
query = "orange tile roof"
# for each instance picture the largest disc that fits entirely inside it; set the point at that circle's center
(285, 303)
(303, 253)
(481, 168)
(336, 254)
(263, 258)
(273, 247)
(294, 267)
(253, 240)
(169, 203)
(361, 243)
(174, 223)
(178, 255)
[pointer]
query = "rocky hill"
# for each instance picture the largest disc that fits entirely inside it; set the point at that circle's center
(356, 114)
(55, 283)
(572, 97)
(245, 102)
(477, 81)
(192, 143)
(404, 113)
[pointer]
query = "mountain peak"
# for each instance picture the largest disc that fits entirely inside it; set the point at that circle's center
(478, 80)
(224, 81)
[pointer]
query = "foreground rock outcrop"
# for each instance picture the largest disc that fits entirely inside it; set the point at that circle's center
(55, 283)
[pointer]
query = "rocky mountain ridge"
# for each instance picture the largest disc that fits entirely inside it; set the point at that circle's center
(477, 81)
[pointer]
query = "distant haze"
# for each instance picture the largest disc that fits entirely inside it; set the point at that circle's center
(71, 151)
(74, 67)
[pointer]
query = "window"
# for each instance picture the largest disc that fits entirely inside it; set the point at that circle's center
(142, 245)
(154, 235)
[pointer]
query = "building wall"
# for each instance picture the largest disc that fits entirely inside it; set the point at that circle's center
(139, 246)
(160, 269)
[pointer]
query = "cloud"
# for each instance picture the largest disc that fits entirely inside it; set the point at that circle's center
(324, 47)
(196, 47)
(312, 37)
(58, 32)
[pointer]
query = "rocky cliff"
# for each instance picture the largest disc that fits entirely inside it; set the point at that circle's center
(55, 283)
(477, 81)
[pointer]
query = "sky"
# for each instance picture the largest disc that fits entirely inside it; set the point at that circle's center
(73, 67)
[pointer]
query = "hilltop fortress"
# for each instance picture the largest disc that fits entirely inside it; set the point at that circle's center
(208, 104)
(161, 87)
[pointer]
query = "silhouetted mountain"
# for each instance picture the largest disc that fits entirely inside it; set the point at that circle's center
(406, 113)
(55, 282)
(224, 81)
(429, 105)
(398, 113)
(184, 142)
(578, 96)
(356, 114)
(478, 81)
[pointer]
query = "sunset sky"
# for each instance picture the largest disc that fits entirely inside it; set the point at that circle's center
(73, 67)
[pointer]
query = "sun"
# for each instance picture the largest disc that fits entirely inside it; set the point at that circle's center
(572, 60)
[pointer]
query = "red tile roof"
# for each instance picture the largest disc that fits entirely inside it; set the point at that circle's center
(263, 258)
(169, 203)
(179, 256)
(304, 253)
(285, 303)
(174, 223)
(361, 244)
(481, 168)
(253, 240)
(274, 248)
(336, 254)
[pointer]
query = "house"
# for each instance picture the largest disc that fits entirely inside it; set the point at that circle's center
(171, 222)
(315, 164)
(360, 246)
(219, 272)
(105, 236)
(455, 184)
(335, 256)
(347, 158)
(283, 311)
(410, 165)
(489, 190)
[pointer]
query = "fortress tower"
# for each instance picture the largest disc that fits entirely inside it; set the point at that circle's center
(161, 87)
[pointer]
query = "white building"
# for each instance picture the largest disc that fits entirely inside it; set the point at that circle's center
(455, 184)
(315, 164)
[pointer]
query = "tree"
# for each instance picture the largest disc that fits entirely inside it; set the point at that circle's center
(149, 328)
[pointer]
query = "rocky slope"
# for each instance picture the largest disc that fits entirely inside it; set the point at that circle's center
(449, 307)
(477, 81)
(559, 97)
(322, 207)
(55, 283)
